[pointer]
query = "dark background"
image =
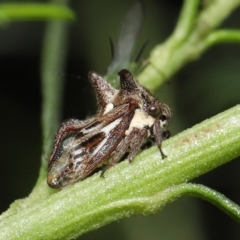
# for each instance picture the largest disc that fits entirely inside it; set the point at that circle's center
(200, 90)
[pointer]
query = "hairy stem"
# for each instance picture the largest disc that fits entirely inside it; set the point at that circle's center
(97, 201)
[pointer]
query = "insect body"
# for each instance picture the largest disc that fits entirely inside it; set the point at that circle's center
(126, 118)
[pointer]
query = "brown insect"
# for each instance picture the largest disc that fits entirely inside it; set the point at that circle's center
(125, 119)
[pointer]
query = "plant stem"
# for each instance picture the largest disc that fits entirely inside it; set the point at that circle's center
(53, 62)
(187, 43)
(222, 36)
(127, 188)
(208, 194)
(34, 11)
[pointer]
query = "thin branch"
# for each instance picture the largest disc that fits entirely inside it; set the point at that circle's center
(53, 62)
(222, 36)
(186, 22)
(208, 194)
(34, 11)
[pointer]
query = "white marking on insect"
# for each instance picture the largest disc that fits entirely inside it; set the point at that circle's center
(107, 129)
(67, 141)
(140, 120)
(79, 151)
(108, 108)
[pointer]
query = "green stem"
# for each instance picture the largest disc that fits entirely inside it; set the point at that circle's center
(222, 36)
(53, 62)
(34, 11)
(172, 55)
(208, 194)
(127, 189)
(185, 22)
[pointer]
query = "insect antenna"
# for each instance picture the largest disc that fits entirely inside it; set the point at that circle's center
(143, 47)
(111, 48)
(129, 32)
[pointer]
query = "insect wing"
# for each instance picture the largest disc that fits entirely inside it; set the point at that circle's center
(63, 142)
(67, 130)
(90, 147)
(114, 132)
(130, 29)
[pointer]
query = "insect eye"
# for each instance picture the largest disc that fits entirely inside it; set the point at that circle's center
(163, 118)
(153, 110)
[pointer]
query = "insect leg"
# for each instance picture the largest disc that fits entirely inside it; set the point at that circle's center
(158, 135)
(136, 142)
(121, 149)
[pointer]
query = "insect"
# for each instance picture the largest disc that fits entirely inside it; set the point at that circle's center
(125, 119)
